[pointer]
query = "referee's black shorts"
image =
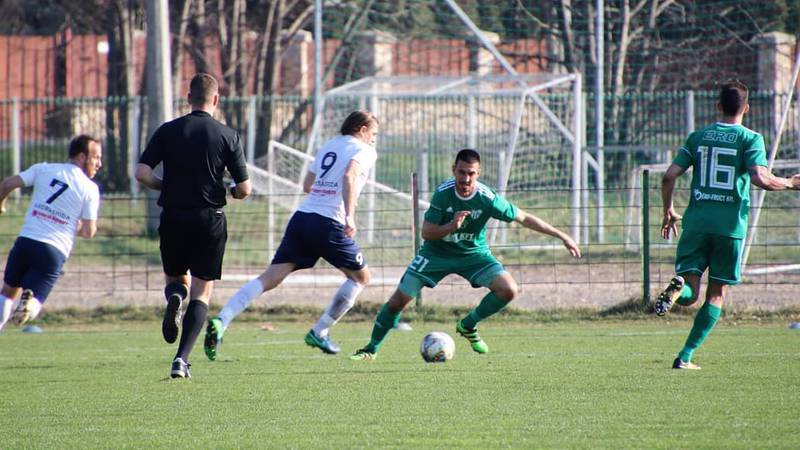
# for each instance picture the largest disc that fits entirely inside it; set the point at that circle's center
(193, 240)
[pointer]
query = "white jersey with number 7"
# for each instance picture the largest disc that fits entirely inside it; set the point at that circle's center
(62, 194)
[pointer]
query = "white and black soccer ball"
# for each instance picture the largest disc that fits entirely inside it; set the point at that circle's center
(437, 346)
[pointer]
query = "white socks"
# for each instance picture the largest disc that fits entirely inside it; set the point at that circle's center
(6, 310)
(240, 301)
(34, 307)
(343, 300)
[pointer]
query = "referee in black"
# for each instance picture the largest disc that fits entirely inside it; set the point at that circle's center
(195, 150)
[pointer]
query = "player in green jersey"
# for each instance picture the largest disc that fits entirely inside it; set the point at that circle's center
(726, 157)
(455, 242)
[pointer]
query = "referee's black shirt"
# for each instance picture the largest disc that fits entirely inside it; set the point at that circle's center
(195, 150)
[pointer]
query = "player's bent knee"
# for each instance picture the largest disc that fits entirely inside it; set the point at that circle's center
(506, 291)
(508, 294)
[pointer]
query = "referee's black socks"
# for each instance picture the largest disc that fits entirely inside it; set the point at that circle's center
(193, 322)
(179, 289)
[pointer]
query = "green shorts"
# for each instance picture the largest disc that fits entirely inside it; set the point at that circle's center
(722, 255)
(427, 269)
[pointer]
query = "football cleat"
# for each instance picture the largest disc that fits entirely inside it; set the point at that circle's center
(213, 337)
(667, 297)
(27, 308)
(324, 344)
(363, 355)
(180, 369)
(478, 345)
(680, 364)
(172, 319)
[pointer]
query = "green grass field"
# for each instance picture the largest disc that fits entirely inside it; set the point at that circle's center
(571, 384)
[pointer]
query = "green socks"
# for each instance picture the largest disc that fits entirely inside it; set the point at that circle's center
(686, 295)
(704, 322)
(489, 305)
(384, 322)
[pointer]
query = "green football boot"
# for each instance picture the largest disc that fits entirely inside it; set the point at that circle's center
(475, 341)
(325, 344)
(363, 355)
(214, 332)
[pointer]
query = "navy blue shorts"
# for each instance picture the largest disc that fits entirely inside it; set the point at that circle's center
(310, 236)
(33, 265)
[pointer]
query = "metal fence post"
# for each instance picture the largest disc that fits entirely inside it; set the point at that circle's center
(416, 222)
(645, 236)
(270, 200)
(251, 131)
(371, 206)
(16, 144)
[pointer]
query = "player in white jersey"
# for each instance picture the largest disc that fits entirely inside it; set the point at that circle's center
(64, 203)
(323, 226)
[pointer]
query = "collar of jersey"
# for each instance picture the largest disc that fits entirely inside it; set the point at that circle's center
(455, 191)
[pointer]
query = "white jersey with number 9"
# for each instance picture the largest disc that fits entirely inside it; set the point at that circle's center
(329, 166)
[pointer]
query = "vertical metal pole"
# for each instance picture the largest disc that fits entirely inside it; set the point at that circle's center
(250, 149)
(270, 201)
(472, 122)
(416, 222)
(159, 87)
(371, 206)
(577, 88)
(422, 170)
(645, 236)
(134, 112)
(689, 112)
(16, 144)
(318, 89)
(599, 117)
(502, 161)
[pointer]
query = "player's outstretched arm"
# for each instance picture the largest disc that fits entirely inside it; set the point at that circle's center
(145, 175)
(534, 223)
(669, 222)
(6, 187)
(764, 179)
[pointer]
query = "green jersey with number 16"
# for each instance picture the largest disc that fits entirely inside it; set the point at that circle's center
(483, 204)
(720, 196)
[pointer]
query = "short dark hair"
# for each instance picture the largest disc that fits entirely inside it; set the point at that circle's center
(732, 97)
(356, 120)
(80, 144)
(468, 155)
(202, 89)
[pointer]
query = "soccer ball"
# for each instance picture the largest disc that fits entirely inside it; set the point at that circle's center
(437, 347)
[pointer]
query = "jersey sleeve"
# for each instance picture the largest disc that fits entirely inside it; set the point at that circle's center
(502, 209)
(153, 154)
(366, 156)
(29, 175)
(685, 158)
(755, 153)
(91, 204)
(236, 163)
(435, 212)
